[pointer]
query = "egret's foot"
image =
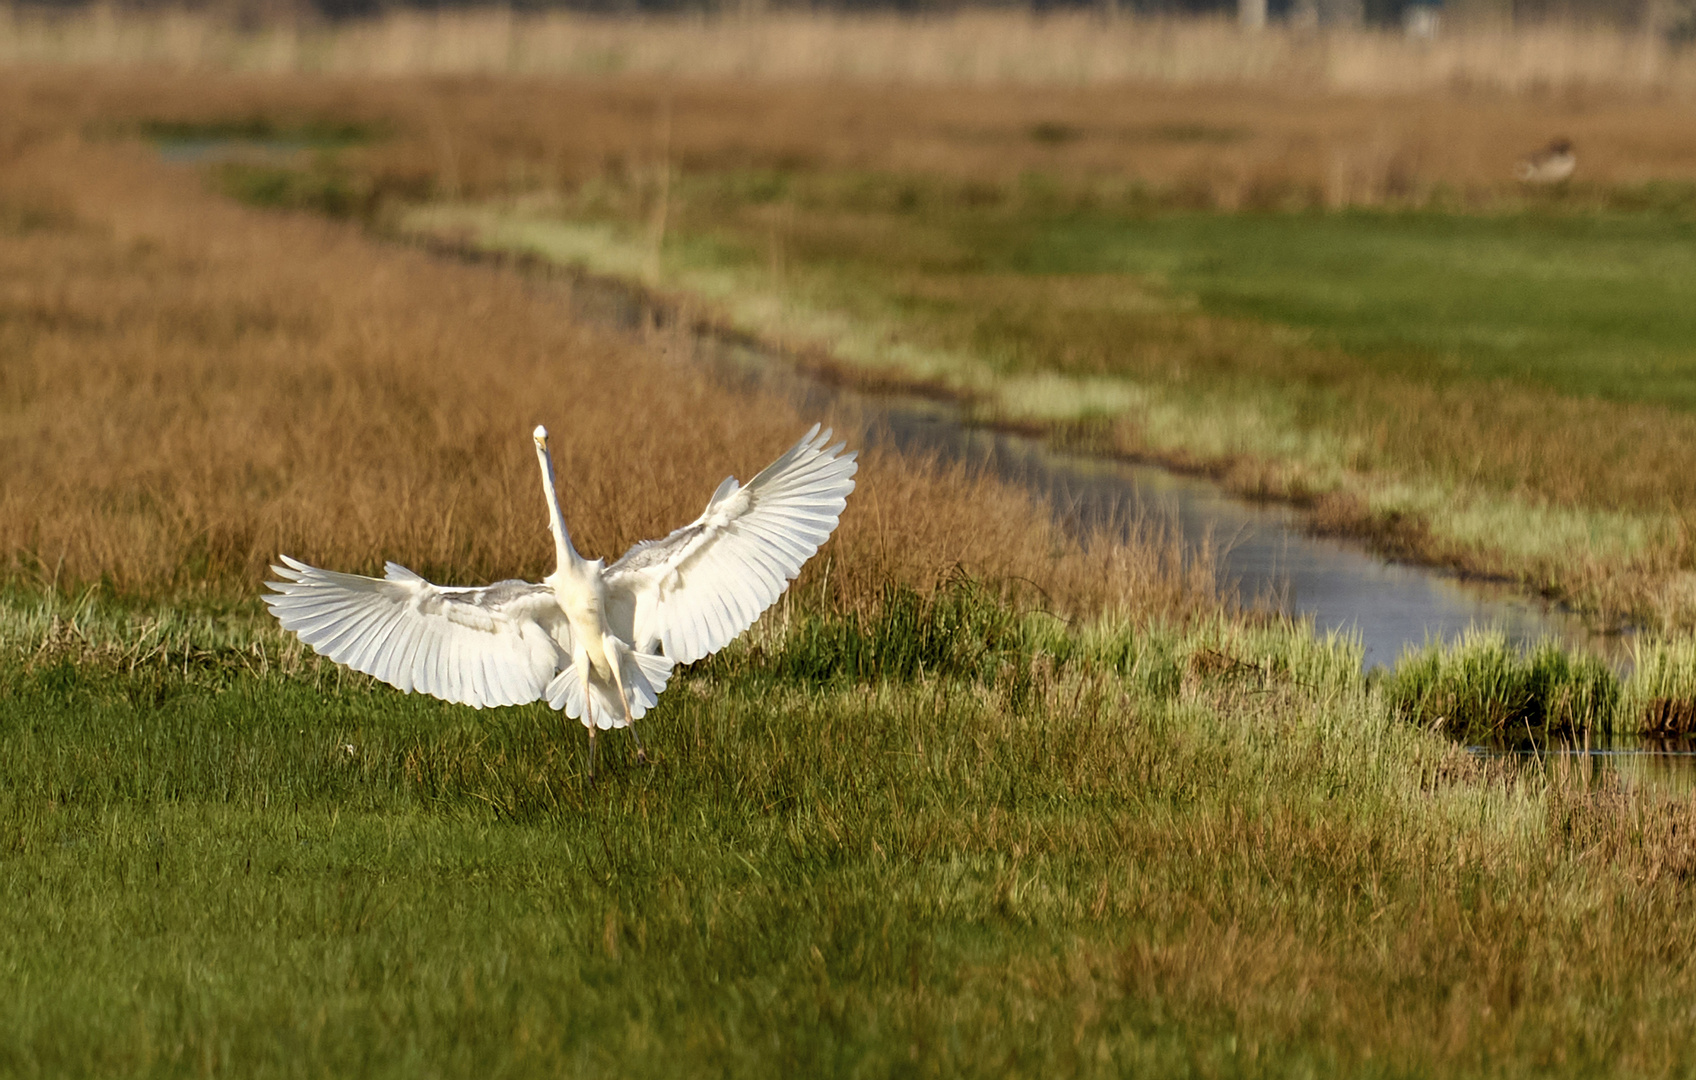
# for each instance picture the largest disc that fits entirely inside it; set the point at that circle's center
(642, 756)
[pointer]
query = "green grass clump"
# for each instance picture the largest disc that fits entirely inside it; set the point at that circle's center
(325, 188)
(1483, 688)
(959, 631)
(1660, 696)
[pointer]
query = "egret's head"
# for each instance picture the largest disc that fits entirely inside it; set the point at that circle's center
(541, 436)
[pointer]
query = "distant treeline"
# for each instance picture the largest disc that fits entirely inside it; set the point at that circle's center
(1674, 18)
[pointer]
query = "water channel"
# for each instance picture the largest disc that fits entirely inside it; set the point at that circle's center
(1267, 557)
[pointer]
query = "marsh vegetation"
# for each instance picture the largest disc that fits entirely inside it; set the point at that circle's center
(975, 799)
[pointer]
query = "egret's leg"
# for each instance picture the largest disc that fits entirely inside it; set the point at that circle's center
(630, 722)
(588, 714)
(580, 661)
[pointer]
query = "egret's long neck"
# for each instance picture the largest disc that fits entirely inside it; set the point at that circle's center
(568, 556)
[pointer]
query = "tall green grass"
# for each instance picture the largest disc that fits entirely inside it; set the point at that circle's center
(1483, 688)
(1660, 697)
(959, 631)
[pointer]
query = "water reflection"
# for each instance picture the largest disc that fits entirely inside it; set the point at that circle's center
(1603, 761)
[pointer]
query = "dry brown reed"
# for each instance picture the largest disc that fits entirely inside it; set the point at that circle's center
(968, 47)
(190, 387)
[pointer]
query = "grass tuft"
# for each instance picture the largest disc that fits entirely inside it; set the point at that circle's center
(325, 188)
(1481, 688)
(961, 630)
(1660, 698)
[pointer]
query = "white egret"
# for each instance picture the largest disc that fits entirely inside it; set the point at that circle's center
(598, 642)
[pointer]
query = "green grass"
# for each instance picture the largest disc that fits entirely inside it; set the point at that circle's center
(1062, 851)
(1582, 301)
(318, 132)
(1482, 689)
(1660, 697)
(1598, 305)
(326, 188)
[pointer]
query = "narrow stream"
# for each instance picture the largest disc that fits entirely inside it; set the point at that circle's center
(1266, 557)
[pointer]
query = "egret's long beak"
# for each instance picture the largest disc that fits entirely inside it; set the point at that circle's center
(562, 539)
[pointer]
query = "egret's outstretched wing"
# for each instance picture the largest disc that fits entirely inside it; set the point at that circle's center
(496, 645)
(693, 592)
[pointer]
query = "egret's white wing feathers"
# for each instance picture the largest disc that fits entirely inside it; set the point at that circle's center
(495, 645)
(694, 591)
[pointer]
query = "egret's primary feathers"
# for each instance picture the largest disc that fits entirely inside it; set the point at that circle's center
(598, 642)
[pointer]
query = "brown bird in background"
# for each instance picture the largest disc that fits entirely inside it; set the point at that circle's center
(1550, 165)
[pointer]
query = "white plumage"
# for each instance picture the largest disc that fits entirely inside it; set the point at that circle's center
(1550, 165)
(598, 642)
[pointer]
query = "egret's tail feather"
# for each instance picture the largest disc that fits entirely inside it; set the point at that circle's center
(602, 710)
(644, 676)
(565, 692)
